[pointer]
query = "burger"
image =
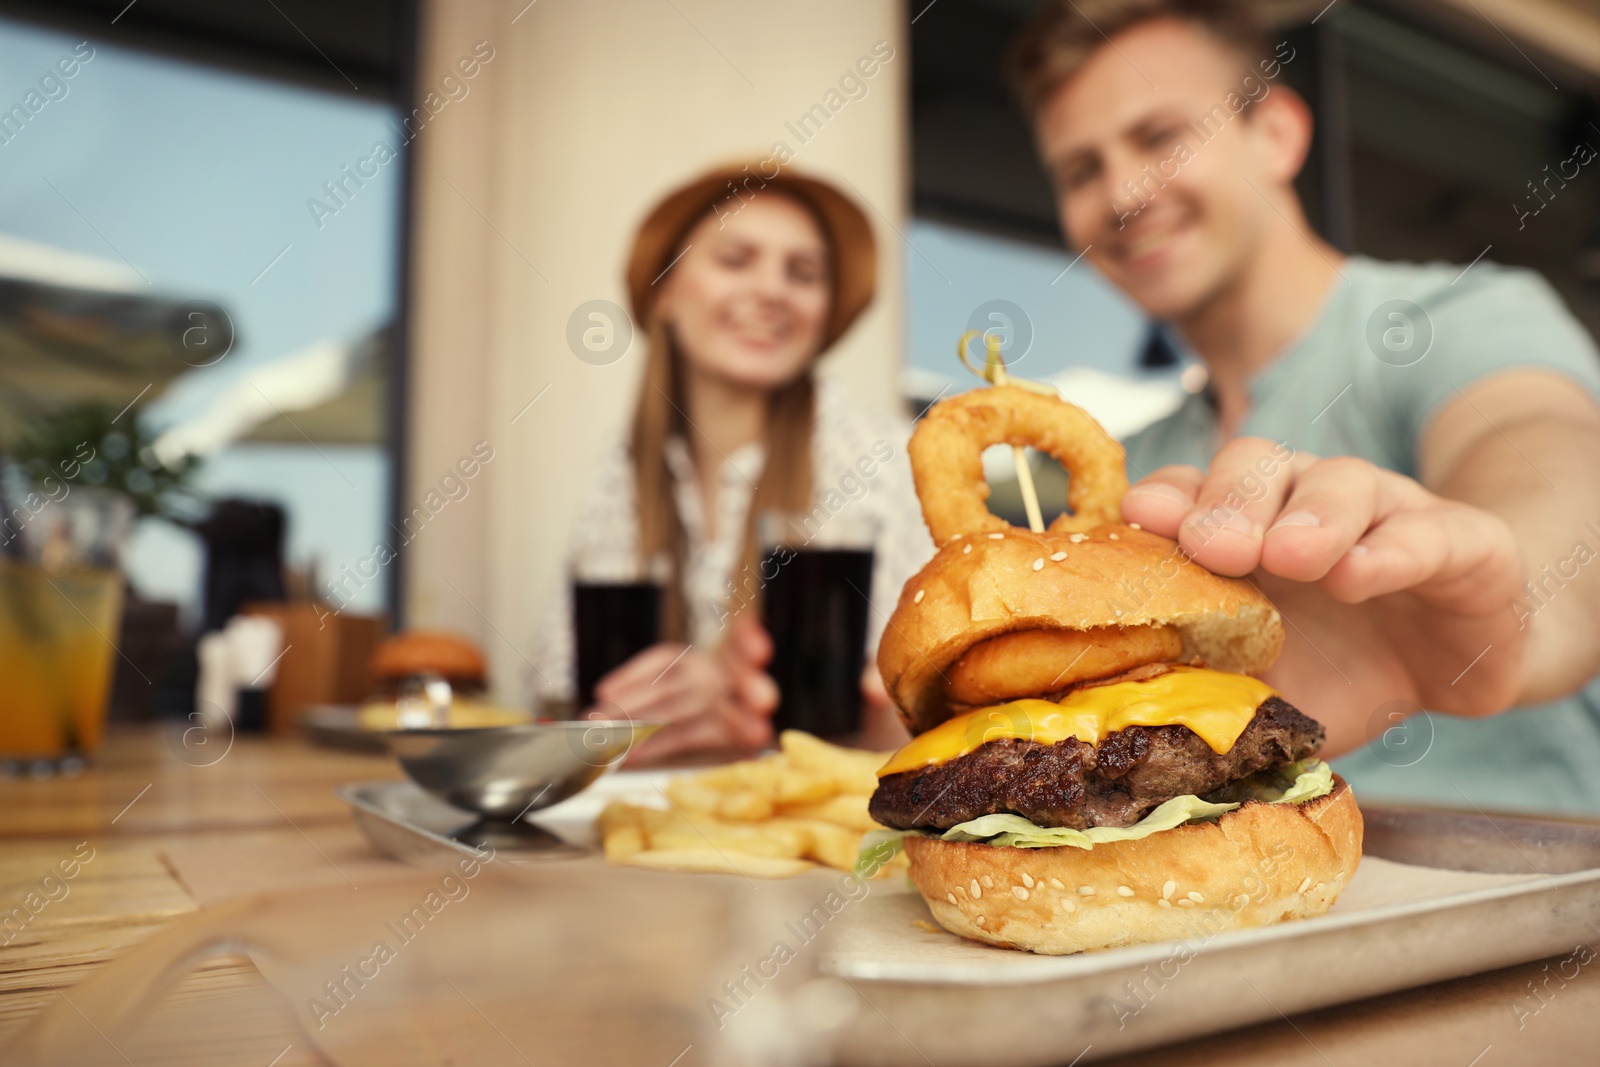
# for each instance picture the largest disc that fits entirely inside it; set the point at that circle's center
(406, 670)
(1094, 761)
(420, 653)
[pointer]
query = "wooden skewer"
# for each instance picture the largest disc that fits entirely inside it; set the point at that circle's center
(994, 372)
(1030, 495)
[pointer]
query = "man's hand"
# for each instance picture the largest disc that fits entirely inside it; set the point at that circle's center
(1388, 591)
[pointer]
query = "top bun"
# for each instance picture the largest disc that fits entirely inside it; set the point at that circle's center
(982, 585)
(453, 657)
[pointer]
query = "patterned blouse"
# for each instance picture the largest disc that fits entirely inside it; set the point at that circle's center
(863, 491)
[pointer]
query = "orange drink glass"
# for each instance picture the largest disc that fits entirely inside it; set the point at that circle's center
(57, 634)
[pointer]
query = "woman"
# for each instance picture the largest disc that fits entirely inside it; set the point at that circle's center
(739, 285)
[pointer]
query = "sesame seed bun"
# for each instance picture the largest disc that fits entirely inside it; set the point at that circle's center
(1256, 865)
(979, 586)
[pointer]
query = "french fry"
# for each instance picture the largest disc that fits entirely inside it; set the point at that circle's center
(694, 795)
(746, 806)
(848, 810)
(790, 843)
(795, 839)
(770, 817)
(622, 842)
(771, 777)
(691, 794)
(616, 815)
(852, 770)
(709, 861)
(804, 787)
(832, 845)
(653, 819)
(760, 776)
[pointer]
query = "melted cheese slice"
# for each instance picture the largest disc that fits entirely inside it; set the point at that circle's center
(1215, 705)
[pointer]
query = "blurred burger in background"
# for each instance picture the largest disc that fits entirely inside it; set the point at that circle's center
(421, 674)
(455, 658)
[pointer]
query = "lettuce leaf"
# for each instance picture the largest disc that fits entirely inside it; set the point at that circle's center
(1313, 778)
(1294, 783)
(1016, 832)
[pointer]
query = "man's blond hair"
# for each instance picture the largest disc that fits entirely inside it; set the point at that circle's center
(1063, 34)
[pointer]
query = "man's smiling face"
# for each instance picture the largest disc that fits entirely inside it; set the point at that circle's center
(1175, 235)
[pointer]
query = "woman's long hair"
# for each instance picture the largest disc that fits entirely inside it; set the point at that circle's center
(783, 486)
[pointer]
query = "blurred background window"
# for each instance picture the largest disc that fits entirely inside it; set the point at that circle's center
(201, 232)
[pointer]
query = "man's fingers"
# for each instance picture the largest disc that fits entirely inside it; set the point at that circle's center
(1159, 503)
(1406, 549)
(1441, 553)
(1329, 509)
(1247, 482)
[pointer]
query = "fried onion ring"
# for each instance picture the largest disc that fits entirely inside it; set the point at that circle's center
(947, 459)
(1030, 663)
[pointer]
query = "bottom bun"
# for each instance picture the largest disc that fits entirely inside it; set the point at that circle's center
(1256, 865)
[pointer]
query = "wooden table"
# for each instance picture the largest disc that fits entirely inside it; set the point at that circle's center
(141, 796)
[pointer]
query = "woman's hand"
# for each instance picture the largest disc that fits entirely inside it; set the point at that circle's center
(709, 701)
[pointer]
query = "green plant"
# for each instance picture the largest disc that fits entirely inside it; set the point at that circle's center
(89, 444)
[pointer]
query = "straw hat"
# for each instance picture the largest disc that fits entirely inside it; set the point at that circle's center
(661, 235)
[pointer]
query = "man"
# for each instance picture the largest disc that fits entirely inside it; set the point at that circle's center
(1390, 451)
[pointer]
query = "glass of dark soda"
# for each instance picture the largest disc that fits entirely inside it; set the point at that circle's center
(616, 614)
(816, 576)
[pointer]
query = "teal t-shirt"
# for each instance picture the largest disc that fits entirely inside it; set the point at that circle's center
(1393, 343)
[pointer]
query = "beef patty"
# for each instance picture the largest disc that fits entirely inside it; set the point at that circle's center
(1115, 783)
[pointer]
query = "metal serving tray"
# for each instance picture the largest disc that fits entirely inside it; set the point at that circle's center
(1439, 895)
(406, 822)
